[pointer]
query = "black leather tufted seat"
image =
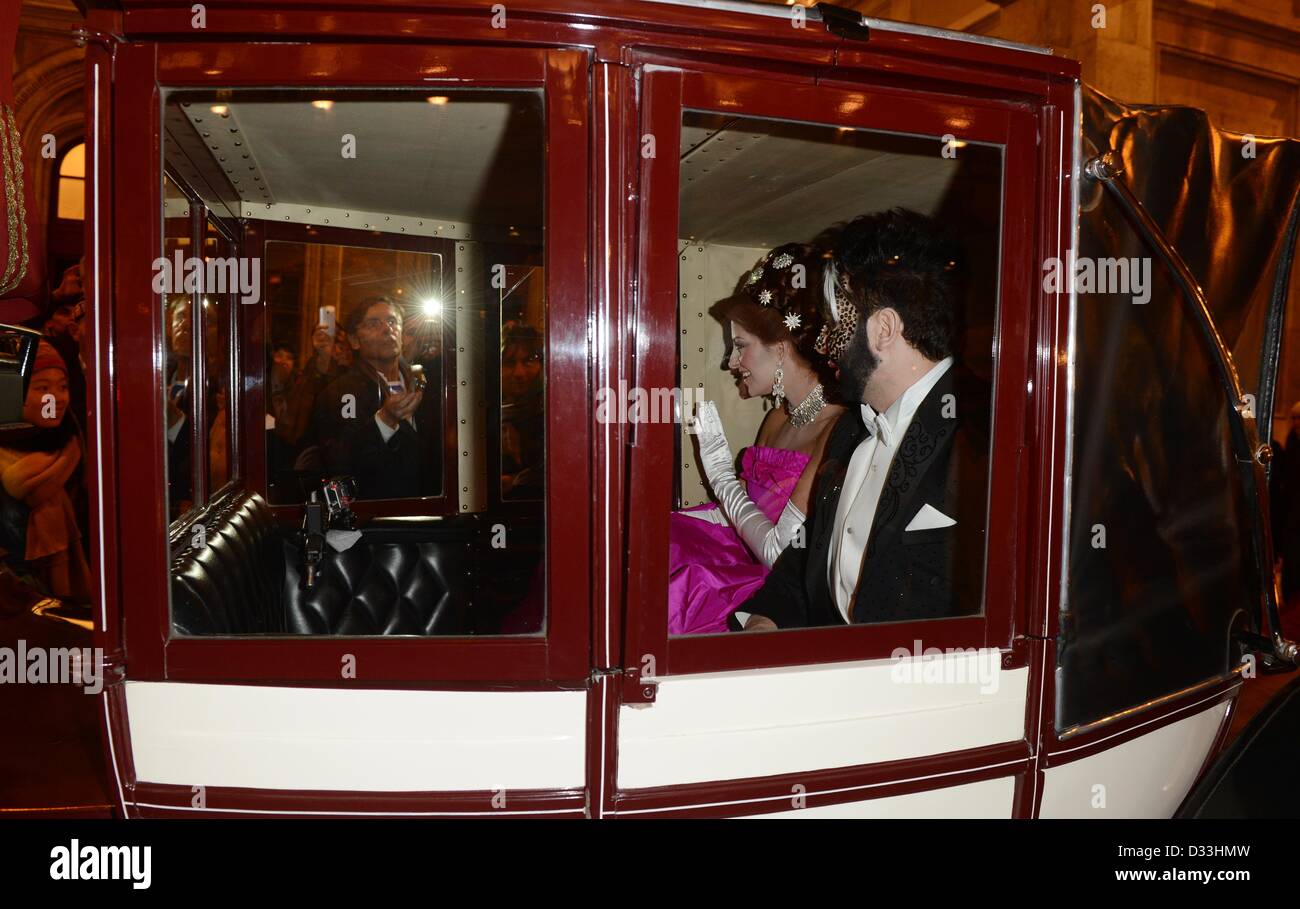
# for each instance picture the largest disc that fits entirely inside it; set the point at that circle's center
(229, 579)
(400, 578)
(404, 577)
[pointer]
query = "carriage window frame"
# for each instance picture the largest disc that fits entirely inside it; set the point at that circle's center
(202, 497)
(144, 73)
(235, 474)
(668, 93)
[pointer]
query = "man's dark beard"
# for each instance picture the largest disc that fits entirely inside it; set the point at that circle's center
(857, 366)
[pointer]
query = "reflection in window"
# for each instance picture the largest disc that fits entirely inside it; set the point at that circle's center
(217, 311)
(402, 328)
(758, 339)
(523, 417)
(355, 330)
(178, 358)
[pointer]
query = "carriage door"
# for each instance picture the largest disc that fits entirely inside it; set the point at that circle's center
(903, 717)
(362, 261)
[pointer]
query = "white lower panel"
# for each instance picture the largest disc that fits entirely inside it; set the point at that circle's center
(371, 740)
(1143, 777)
(986, 799)
(734, 725)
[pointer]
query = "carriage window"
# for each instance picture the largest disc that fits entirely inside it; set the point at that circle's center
(390, 280)
(767, 336)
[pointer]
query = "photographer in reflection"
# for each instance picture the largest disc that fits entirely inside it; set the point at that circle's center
(376, 422)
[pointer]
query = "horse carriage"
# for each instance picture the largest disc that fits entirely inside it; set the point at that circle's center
(551, 196)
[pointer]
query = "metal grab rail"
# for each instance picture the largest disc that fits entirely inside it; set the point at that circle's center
(1251, 455)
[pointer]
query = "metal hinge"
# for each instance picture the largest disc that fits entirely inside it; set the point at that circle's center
(638, 688)
(634, 686)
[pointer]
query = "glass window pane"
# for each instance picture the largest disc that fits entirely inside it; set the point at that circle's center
(768, 216)
(402, 317)
(314, 292)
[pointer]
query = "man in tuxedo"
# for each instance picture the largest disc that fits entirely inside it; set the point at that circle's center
(896, 527)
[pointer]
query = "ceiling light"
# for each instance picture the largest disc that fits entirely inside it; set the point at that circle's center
(431, 307)
(323, 104)
(439, 100)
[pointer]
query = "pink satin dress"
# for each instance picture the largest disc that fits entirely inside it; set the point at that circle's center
(711, 571)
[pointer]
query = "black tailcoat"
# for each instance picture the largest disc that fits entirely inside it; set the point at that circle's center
(941, 461)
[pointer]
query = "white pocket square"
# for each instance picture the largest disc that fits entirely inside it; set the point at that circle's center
(929, 518)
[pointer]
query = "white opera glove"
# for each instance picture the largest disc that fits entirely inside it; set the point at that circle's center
(716, 459)
(764, 539)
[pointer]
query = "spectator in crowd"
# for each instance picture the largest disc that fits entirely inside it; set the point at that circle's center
(343, 355)
(375, 423)
(180, 373)
(523, 416)
(62, 326)
(282, 373)
(290, 401)
(39, 476)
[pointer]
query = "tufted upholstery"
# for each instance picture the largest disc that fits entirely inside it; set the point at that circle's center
(404, 577)
(228, 579)
(412, 578)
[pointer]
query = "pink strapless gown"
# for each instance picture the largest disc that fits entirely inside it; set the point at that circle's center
(711, 571)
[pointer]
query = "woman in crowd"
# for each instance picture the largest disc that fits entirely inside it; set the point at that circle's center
(39, 472)
(523, 417)
(719, 554)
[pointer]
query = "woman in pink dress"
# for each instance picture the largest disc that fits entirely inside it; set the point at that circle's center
(720, 553)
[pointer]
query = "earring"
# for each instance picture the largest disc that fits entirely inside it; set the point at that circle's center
(778, 386)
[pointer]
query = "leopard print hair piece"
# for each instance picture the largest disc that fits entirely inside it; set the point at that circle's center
(838, 329)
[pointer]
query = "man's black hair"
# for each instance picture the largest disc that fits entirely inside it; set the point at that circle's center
(904, 260)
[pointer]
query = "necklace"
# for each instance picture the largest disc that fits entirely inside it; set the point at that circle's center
(807, 411)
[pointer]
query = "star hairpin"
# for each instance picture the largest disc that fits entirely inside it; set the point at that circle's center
(785, 260)
(765, 298)
(792, 321)
(755, 275)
